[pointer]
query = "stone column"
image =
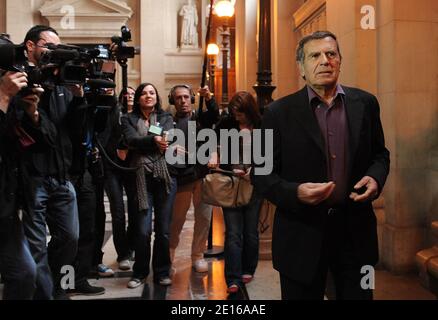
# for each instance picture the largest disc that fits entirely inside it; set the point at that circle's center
(153, 44)
(284, 40)
(408, 91)
(246, 44)
(2, 16)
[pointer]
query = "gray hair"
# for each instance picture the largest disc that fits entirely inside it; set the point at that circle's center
(314, 36)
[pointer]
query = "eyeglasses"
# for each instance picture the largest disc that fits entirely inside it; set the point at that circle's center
(46, 45)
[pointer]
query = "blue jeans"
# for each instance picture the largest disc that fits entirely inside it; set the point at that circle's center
(17, 266)
(162, 205)
(241, 250)
(54, 204)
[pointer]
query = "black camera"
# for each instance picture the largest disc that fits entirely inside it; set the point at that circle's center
(59, 65)
(12, 56)
(74, 64)
(124, 52)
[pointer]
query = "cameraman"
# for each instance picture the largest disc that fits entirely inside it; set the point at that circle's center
(54, 198)
(17, 266)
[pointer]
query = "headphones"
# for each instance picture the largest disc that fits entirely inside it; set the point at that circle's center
(185, 86)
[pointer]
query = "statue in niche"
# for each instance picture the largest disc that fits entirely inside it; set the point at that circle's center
(189, 27)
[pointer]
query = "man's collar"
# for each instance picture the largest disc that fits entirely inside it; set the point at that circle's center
(189, 115)
(313, 95)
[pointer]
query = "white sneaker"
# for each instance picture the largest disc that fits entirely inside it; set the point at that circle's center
(166, 281)
(135, 282)
(125, 265)
(200, 265)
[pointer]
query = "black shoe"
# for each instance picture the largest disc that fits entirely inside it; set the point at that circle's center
(87, 290)
(60, 294)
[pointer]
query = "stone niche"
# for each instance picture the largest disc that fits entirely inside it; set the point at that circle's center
(182, 65)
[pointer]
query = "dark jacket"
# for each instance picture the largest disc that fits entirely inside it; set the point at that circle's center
(96, 126)
(8, 169)
(19, 136)
(205, 119)
(142, 144)
(299, 157)
(52, 153)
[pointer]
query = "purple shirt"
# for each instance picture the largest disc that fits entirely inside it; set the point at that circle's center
(333, 123)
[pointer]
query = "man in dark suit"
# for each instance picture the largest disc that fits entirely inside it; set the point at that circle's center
(329, 163)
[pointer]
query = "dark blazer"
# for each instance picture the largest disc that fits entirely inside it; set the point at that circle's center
(299, 157)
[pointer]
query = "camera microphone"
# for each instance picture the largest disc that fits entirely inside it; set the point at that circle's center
(94, 53)
(100, 83)
(64, 55)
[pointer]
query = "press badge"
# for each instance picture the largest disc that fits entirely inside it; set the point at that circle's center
(156, 129)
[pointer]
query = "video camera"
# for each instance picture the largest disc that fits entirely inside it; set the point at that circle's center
(59, 65)
(11, 56)
(123, 51)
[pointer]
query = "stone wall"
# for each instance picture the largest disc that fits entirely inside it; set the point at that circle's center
(407, 88)
(2, 16)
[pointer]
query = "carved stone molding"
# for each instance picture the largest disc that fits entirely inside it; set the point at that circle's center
(93, 19)
(310, 17)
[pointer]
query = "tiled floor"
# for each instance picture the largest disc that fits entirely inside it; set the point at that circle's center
(189, 285)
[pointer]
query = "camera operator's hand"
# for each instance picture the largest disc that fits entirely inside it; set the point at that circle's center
(161, 143)
(10, 84)
(113, 48)
(30, 104)
(205, 92)
(77, 90)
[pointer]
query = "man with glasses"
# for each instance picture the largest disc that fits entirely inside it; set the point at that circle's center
(53, 195)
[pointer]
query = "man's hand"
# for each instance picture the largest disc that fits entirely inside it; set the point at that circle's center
(122, 154)
(161, 143)
(77, 90)
(205, 92)
(179, 150)
(213, 163)
(244, 174)
(12, 82)
(315, 193)
(372, 189)
(114, 48)
(31, 104)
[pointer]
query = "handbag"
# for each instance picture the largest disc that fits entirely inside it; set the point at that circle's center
(224, 189)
